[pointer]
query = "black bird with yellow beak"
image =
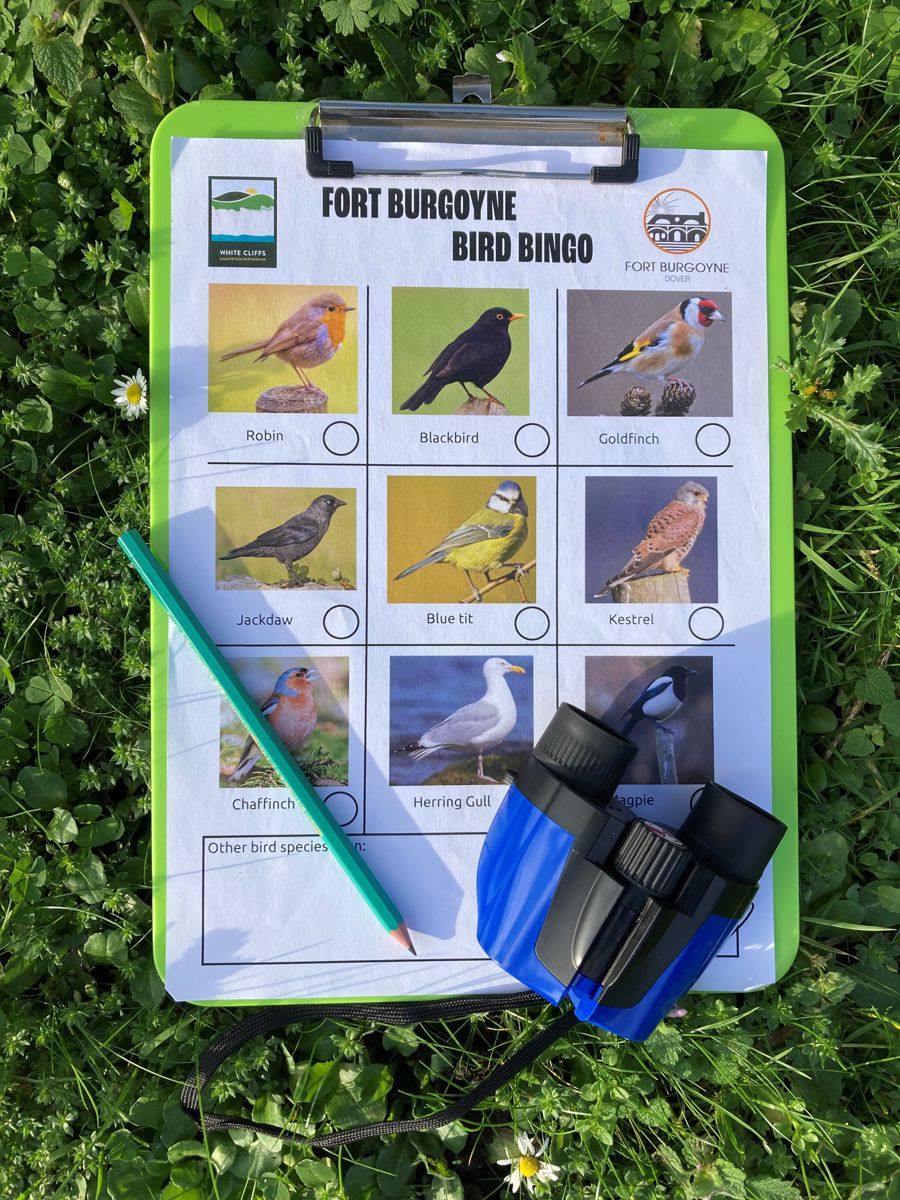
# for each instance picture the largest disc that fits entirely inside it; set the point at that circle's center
(477, 356)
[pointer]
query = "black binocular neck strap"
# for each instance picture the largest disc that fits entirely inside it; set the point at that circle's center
(391, 1013)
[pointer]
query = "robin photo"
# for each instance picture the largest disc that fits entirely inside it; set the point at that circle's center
(307, 338)
(283, 348)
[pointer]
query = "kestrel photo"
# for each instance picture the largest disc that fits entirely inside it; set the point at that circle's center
(650, 539)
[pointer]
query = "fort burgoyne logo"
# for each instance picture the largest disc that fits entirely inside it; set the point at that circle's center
(243, 222)
(677, 221)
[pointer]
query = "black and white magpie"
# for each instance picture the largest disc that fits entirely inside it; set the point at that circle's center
(661, 699)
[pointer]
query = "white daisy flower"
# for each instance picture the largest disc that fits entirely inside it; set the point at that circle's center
(527, 1167)
(131, 395)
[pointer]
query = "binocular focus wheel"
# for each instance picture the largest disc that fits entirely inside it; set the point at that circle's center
(651, 857)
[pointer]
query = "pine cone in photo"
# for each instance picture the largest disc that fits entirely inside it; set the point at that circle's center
(677, 398)
(636, 402)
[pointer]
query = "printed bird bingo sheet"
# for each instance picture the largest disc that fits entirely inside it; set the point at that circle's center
(432, 454)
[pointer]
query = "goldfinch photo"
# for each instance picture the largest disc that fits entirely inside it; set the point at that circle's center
(663, 704)
(461, 718)
(650, 539)
(464, 539)
(283, 348)
(306, 700)
(649, 354)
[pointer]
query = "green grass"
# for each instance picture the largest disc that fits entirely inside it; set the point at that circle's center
(791, 1093)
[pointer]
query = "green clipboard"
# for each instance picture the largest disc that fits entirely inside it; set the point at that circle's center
(676, 129)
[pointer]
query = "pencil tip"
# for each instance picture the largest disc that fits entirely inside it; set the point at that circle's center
(401, 935)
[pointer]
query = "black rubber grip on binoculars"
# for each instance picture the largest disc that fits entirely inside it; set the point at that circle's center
(584, 753)
(731, 835)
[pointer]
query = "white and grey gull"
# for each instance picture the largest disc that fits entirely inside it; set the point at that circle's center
(478, 727)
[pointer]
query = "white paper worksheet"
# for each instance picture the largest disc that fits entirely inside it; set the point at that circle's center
(447, 441)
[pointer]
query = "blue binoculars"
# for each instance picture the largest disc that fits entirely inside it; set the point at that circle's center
(580, 898)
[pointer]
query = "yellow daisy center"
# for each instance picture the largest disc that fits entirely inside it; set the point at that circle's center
(528, 1166)
(133, 394)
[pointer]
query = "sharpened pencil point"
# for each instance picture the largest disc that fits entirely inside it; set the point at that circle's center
(401, 935)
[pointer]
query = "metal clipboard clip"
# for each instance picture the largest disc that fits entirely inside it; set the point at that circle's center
(484, 123)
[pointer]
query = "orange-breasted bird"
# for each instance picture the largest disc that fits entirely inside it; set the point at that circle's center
(666, 346)
(308, 338)
(291, 711)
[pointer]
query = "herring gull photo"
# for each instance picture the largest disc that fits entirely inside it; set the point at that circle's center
(474, 728)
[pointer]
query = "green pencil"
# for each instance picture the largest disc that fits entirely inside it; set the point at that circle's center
(162, 587)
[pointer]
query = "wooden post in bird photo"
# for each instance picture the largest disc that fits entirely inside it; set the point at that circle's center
(275, 348)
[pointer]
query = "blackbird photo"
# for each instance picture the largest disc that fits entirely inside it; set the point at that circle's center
(477, 356)
(295, 538)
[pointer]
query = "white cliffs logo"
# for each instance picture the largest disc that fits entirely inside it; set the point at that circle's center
(677, 221)
(243, 222)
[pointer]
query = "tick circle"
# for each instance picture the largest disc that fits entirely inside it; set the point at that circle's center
(341, 621)
(532, 623)
(343, 807)
(340, 438)
(706, 623)
(713, 440)
(532, 440)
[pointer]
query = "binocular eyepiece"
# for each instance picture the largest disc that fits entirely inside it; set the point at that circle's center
(579, 897)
